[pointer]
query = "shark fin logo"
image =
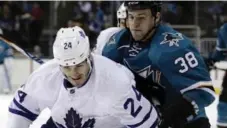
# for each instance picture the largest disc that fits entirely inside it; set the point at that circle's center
(172, 39)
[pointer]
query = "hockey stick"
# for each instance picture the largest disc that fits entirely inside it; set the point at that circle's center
(218, 68)
(222, 69)
(27, 54)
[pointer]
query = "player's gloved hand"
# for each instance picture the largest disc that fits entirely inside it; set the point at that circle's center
(150, 90)
(209, 63)
(176, 114)
(221, 126)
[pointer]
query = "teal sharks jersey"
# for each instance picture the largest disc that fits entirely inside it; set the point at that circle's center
(5, 51)
(220, 52)
(168, 59)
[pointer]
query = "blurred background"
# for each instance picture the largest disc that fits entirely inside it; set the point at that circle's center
(33, 24)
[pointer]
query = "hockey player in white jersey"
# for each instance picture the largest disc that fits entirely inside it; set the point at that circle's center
(106, 34)
(82, 90)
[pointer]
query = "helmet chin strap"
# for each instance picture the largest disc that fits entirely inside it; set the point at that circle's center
(119, 23)
(89, 61)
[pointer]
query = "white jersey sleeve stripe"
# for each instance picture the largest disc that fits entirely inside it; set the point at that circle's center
(23, 111)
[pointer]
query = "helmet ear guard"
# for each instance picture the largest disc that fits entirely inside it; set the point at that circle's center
(71, 46)
(122, 12)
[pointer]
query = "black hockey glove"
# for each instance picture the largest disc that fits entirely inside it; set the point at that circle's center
(175, 114)
(221, 126)
(149, 89)
(209, 63)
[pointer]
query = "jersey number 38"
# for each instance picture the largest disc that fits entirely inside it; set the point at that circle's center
(187, 61)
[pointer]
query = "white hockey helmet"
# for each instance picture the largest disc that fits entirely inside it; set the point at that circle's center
(71, 46)
(1, 32)
(122, 12)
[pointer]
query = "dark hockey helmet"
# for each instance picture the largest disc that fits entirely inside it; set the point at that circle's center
(155, 6)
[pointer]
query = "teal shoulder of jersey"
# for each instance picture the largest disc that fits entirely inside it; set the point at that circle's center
(168, 41)
(220, 52)
(222, 36)
(118, 39)
(5, 51)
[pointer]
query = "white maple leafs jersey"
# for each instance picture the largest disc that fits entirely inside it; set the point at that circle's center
(108, 99)
(104, 37)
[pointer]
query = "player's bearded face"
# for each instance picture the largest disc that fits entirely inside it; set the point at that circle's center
(76, 74)
(140, 22)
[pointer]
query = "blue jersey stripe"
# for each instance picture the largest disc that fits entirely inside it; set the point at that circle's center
(29, 116)
(27, 113)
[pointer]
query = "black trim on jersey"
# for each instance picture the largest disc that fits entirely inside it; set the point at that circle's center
(67, 84)
(208, 87)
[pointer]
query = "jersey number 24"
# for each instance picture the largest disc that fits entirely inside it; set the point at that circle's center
(130, 102)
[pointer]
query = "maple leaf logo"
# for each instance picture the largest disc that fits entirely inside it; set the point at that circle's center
(73, 120)
(59, 125)
(89, 123)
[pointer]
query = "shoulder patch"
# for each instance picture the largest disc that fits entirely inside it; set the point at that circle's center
(172, 38)
(115, 37)
(112, 40)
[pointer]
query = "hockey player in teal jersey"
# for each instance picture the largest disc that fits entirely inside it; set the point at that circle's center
(6, 60)
(166, 65)
(220, 54)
